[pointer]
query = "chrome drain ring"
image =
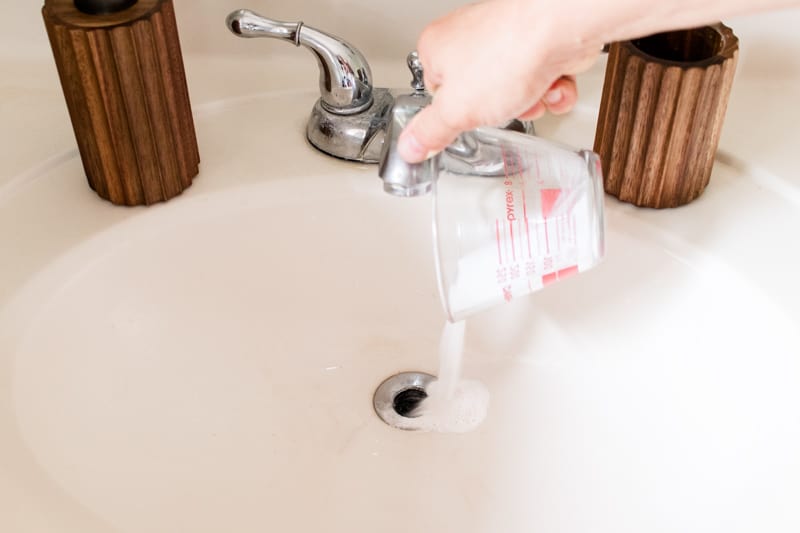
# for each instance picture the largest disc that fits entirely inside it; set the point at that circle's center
(396, 397)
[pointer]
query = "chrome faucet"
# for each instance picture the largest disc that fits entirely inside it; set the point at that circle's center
(355, 121)
(348, 120)
(401, 178)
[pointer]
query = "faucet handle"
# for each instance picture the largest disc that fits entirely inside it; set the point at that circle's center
(345, 79)
(415, 66)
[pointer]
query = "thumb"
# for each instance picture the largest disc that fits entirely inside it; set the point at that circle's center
(427, 134)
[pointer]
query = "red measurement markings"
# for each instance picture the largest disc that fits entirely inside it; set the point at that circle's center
(548, 198)
(507, 294)
(530, 270)
(502, 275)
(497, 238)
(513, 244)
(523, 186)
(511, 211)
(505, 241)
(547, 279)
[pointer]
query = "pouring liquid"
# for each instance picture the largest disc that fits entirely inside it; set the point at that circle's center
(453, 405)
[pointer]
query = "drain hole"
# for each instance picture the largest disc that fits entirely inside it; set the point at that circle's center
(407, 400)
(398, 397)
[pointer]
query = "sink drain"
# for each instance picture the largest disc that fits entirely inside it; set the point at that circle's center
(396, 399)
(407, 401)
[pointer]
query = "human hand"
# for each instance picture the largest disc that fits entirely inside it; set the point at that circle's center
(490, 62)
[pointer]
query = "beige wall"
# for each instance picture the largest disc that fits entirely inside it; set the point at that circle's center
(369, 25)
(379, 27)
(375, 26)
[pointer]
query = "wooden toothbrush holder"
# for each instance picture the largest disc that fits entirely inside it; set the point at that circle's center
(124, 82)
(661, 114)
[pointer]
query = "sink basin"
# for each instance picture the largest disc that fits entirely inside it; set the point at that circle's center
(209, 364)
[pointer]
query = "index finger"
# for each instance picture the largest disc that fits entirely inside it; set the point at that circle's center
(427, 134)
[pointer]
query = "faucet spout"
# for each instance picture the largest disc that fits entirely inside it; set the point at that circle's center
(345, 79)
(401, 178)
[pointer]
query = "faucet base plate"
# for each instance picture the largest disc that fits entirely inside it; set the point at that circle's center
(356, 137)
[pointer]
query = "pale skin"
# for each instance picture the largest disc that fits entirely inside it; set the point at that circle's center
(496, 60)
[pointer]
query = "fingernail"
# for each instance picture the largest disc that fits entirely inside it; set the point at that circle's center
(554, 96)
(410, 149)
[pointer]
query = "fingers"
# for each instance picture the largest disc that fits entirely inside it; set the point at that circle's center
(430, 131)
(534, 113)
(561, 96)
(427, 134)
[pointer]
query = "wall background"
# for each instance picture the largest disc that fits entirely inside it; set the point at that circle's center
(770, 42)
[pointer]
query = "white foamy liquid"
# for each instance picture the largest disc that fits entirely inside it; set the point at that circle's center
(453, 405)
(451, 351)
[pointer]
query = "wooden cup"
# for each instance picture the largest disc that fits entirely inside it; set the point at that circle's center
(124, 82)
(661, 113)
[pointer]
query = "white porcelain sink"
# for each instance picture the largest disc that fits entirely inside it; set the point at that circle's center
(208, 364)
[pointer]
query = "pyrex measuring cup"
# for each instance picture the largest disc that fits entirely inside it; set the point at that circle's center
(512, 214)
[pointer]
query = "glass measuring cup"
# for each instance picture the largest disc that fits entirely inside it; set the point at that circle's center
(513, 213)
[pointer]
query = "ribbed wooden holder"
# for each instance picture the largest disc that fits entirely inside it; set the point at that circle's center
(125, 87)
(661, 114)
